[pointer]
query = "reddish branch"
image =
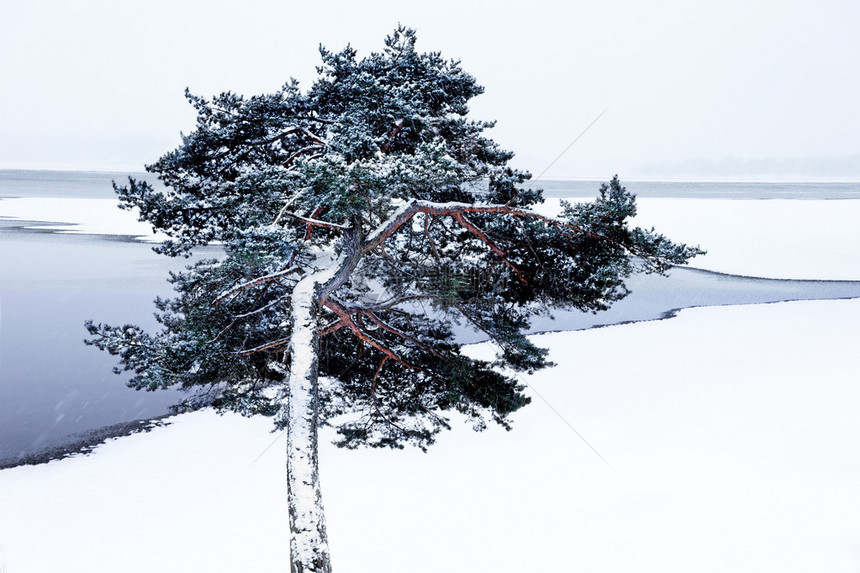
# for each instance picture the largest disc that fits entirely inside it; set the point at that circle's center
(466, 224)
(392, 134)
(453, 210)
(388, 328)
(333, 327)
(356, 326)
(319, 211)
(357, 247)
(427, 222)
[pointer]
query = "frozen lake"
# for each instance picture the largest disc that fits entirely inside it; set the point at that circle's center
(52, 385)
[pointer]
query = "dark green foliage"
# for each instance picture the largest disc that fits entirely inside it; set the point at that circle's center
(278, 179)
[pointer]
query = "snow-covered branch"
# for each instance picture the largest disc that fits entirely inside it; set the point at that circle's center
(357, 328)
(466, 224)
(261, 348)
(246, 285)
(453, 209)
(388, 328)
(315, 222)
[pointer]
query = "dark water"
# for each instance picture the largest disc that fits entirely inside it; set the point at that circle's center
(52, 385)
(655, 296)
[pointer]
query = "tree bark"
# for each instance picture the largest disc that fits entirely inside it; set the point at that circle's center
(309, 551)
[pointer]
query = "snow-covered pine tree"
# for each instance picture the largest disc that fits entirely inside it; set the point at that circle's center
(361, 221)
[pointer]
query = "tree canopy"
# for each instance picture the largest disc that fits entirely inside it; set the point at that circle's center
(379, 158)
(365, 224)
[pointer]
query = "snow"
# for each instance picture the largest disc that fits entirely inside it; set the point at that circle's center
(78, 215)
(150, 502)
(305, 505)
(777, 238)
(732, 435)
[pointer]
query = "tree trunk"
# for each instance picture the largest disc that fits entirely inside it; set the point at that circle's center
(308, 541)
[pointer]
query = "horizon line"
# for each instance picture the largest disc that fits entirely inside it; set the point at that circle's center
(582, 178)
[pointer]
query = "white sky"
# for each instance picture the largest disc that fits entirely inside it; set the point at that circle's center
(693, 87)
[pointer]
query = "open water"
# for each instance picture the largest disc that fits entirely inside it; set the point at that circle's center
(52, 386)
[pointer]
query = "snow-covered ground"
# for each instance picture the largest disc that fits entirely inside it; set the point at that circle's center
(777, 238)
(732, 435)
(78, 215)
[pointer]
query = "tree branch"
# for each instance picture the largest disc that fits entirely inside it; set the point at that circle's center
(466, 224)
(373, 384)
(264, 279)
(392, 134)
(297, 153)
(260, 348)
(355, 325)
(332, 327)
(315, 222)
(388, 328)
(403, 215)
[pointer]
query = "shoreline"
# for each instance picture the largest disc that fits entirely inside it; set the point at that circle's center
(86, 442)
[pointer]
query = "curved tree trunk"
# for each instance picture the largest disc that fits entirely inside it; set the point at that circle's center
(308, 541)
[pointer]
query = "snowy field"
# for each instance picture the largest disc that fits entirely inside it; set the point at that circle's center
(777, 238)
(731, 436)
(731, 432)
(77, 215)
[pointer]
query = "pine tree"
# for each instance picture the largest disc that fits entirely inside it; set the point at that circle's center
(363, 222)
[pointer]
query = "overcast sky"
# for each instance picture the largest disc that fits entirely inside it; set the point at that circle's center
(692, 88)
